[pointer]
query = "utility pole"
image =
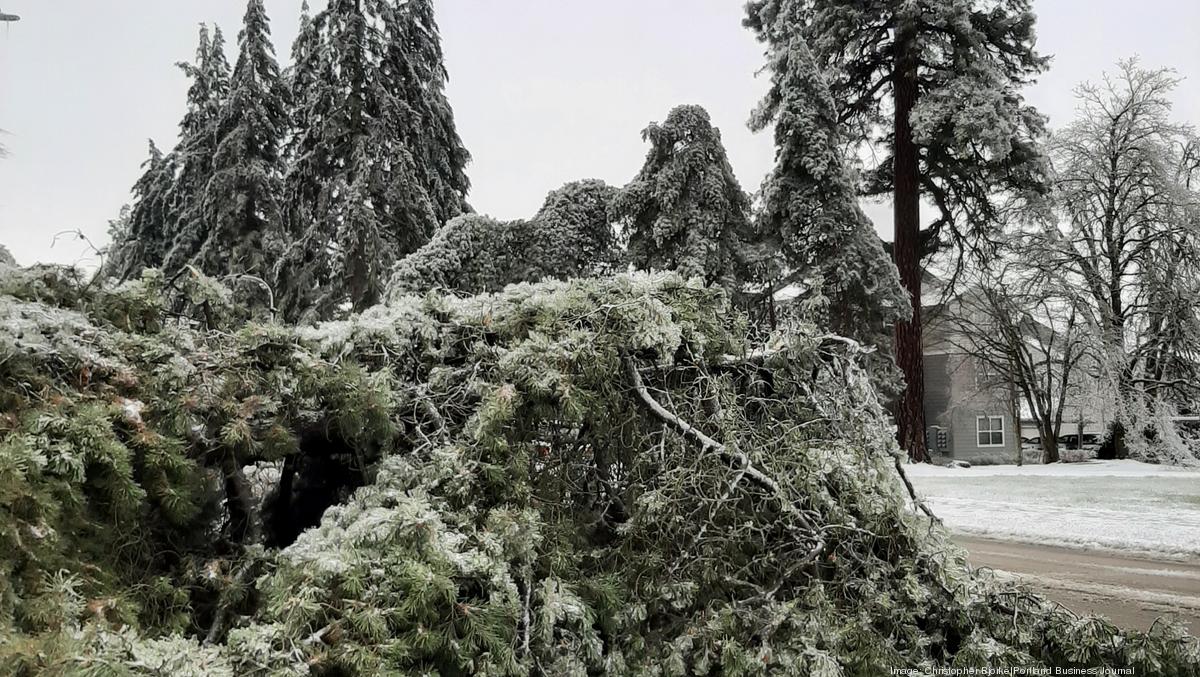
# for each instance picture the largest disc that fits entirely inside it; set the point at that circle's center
(7, 19)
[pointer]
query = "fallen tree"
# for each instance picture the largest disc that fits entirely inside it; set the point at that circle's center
(596, 477)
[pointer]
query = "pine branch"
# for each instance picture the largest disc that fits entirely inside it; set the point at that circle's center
(216, 631)
(739, 459)
(912, 492)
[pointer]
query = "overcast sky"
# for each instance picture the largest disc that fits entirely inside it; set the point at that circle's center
(544, 91)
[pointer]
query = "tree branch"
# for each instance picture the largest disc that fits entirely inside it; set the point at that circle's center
(746, 467)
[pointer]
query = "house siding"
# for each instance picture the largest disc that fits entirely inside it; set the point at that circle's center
(955, 396)
(969, 401)
(938, 397)
(967, 439)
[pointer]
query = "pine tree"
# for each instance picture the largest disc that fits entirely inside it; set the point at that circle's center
(302, 74)
(360, 196)
(935, 84)
(570, 237)
(810, 226)
(241, 210)
(143, 242)
(415, 69)
(199, 133)
(684, 210)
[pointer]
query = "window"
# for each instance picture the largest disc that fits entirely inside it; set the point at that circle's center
(990, 431)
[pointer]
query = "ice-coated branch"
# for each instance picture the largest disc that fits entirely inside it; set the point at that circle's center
(746, 467)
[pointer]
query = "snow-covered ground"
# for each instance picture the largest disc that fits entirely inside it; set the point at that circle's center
(1118, 505)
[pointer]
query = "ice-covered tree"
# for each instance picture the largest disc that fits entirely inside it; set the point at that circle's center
(241, 205)
(1127, 237)
(414, 69)
(685, 210)
(359, 196)
(199, 134)
(575, 233)
(166, 222)
(305, 50)
(143, 240)
(571, 236)
(810, 228)
(933, 87)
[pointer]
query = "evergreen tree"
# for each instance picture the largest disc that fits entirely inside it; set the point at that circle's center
(810, 226)
(302, 74)
(935, 84)
(241, 209)
(575, 235)
(415, 70)
(570, 237)
(199, 133)
(361, 196)
(143, 242)
(684, 210)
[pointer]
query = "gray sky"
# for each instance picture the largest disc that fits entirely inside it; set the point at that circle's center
(544, 91)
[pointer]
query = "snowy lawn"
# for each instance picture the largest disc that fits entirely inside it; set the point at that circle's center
(1119, 505)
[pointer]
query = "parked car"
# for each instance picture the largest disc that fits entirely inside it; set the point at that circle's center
(1072, 441)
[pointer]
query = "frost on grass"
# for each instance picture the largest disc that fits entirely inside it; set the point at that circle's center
(567, 478)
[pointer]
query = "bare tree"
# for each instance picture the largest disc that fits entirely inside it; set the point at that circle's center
(1126, 236)
(1024, 326)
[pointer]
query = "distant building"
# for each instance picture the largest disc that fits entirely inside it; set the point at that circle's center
(969, 410)
(972, 412)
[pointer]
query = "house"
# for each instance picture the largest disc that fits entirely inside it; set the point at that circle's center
(973, 412)
(969, 410)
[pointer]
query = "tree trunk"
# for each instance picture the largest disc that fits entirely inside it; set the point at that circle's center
(910, 412)
(1049, 435)
(1015, 406)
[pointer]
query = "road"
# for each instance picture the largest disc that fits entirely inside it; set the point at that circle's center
(1130, 591)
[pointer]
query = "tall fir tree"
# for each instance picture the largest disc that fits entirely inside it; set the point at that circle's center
(300, 77)
(936, 85)
(165, 223)
(414, 68)
(360, 195)
(685, 210)
(810, 226)
(241, 206)
(199, 134)
(142, 243)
